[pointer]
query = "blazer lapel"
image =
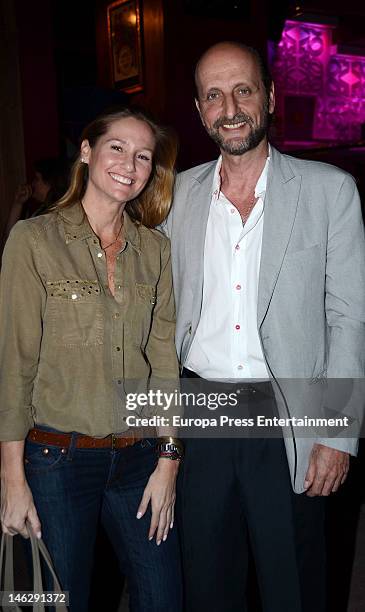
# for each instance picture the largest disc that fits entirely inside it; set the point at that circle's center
(281, 201)
(197, 212)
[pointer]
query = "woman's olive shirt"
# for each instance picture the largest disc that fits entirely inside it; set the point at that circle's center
(69, 350)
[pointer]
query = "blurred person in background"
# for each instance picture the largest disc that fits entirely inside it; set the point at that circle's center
(49, 184)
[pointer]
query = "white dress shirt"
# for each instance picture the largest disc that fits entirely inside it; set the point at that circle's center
(227, 344)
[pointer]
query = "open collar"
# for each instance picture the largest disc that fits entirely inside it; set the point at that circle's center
(77, 227)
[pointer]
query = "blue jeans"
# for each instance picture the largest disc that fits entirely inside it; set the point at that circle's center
(72, 491)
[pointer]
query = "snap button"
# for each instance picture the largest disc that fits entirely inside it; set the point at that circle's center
(63, 451)
(74, 296)
(45, 451)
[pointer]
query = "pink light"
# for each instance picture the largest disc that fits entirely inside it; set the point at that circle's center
(306, 64)
(350, 78)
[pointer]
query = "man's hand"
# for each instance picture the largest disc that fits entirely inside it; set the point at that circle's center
(327, 470)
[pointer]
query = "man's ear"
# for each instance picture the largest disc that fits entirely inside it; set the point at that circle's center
(272, 98)
(199, 111)
(85, 151)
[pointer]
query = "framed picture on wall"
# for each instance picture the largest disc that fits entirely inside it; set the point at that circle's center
(125, 44)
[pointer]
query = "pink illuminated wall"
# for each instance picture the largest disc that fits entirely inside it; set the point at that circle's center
(307, 64)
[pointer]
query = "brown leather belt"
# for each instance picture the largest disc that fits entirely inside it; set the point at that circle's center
(64, 439)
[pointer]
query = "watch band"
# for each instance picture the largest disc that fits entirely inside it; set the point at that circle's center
(170, 448)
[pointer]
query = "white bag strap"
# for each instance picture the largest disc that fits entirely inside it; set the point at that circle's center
(7, 559)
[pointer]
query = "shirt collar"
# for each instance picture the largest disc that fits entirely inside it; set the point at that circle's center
(260, 188)
(77, 227)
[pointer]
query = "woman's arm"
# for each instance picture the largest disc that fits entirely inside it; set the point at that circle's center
(160, 349)
(161, 354)
(22, 304)
(17, 504)
(22, 300)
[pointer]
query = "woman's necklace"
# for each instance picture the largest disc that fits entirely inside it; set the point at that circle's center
(117, 236)
(115, 240)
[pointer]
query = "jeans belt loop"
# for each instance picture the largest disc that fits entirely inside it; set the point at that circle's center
(72, 446)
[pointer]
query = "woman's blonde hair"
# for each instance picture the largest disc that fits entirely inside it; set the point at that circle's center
(152, 205)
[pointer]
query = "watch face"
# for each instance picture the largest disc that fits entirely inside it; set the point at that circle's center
(170, 448)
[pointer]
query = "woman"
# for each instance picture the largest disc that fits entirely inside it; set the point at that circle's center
(87, 314)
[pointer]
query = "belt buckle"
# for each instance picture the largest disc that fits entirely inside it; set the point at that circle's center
(114, 439)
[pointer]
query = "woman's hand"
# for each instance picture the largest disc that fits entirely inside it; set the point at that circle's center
(160, 491)
(17, 507)
(17, 504)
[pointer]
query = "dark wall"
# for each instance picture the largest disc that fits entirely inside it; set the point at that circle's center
(38, 80)
(174, 35)
(188, 34)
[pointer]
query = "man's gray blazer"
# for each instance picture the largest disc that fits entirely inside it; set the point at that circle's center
(311, 298)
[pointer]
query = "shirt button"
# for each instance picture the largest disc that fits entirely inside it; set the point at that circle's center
(116, 315)
(117, 348)
(74, 296)
(237, 247)
(100, 254)
(233, 210)
(238, 287)
(119, 382)
(238, 327)
(240, 367)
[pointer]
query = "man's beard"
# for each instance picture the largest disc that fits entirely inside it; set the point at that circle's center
(238, 147)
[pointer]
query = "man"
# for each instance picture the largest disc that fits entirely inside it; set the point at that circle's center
(268, 263)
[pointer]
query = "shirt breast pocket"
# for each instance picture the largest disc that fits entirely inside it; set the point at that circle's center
(144, 303)
(75, 313)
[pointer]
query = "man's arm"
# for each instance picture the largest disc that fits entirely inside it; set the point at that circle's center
(345, 314)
